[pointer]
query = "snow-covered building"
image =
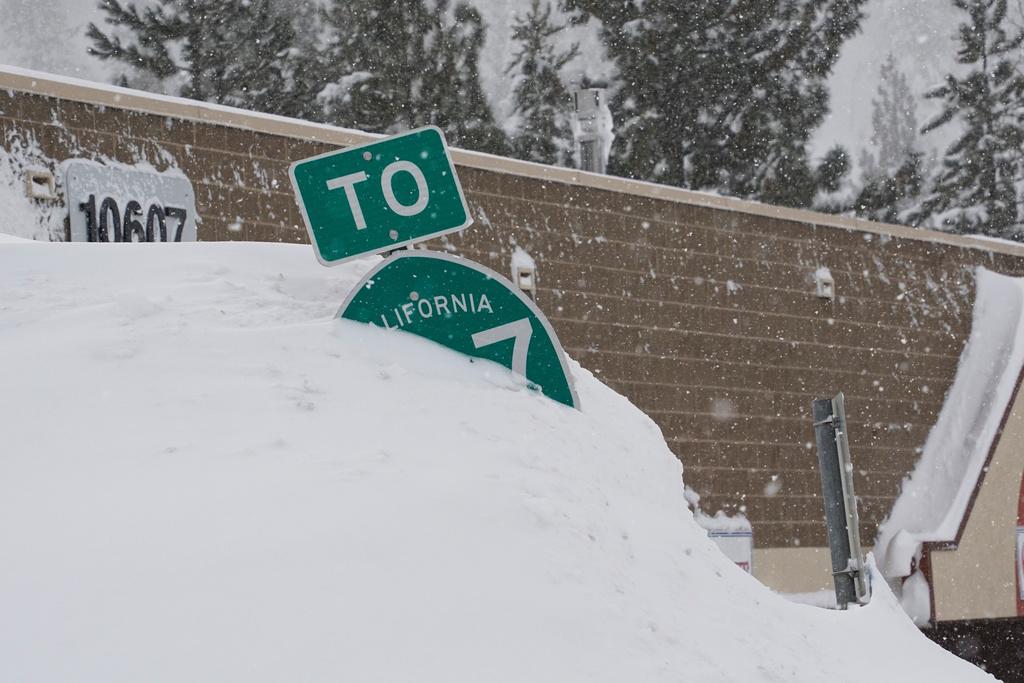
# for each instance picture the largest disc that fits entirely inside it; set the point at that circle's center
(708, 313)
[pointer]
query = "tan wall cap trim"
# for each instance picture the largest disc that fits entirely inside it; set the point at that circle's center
(24, 80)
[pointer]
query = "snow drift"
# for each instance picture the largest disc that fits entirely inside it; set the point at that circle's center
(204, 476)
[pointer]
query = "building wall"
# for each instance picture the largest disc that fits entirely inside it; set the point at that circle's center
(977, 579)
(702, 310)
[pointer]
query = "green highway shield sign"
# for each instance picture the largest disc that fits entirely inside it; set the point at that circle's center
(466, 307)
(379, 196)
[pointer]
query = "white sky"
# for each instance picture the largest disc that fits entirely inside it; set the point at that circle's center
(921, 34)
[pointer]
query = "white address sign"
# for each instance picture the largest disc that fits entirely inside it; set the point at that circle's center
(119, 204)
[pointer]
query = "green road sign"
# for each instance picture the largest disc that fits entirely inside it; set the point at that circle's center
(465, 307)
(379, 196)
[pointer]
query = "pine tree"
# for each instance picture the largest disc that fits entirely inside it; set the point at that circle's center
(452, 96)
(308, 69)
(230, 52)
(722, 95)
(791, 182)
(976, 190)
(891, 170)
(889, 198)
(893, 123)
(406, 64)
(832, 181)
(377, 52)
(833, 169)
(541, 98)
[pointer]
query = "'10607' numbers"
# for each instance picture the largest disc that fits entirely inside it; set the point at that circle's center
(110, 224)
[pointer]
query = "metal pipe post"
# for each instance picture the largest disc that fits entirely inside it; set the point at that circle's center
(832, 494)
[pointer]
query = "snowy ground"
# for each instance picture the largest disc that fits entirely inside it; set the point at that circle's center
(205, 477)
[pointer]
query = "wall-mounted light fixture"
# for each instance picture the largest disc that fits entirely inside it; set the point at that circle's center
(824, 284)
(524, 272)
(40, 184)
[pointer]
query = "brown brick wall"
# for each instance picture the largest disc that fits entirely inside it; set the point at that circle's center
(639, 292)
(706, 318)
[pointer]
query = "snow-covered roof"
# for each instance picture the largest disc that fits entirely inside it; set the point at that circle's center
(936, 496)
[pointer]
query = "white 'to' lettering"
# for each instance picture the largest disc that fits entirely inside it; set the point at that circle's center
(422, 194)
(349, 183)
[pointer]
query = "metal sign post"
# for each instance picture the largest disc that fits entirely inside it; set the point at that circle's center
(841, 517)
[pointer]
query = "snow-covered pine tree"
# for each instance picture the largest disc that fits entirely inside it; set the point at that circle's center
(308, 69)
(376, 53)
(451, 96)
(977, 188)
(400, 65)
(893, 123)
(825, 187)
(891, 171)
(542, 104)
(832, 180)
(721, 95)
(890, 198)
(230, 52)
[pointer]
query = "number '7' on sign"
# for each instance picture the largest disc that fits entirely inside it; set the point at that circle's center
(518, 330)
(379, 196)
(465, 307)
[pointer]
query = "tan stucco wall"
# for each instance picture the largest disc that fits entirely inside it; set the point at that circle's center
(977, 580)
(793, 570)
